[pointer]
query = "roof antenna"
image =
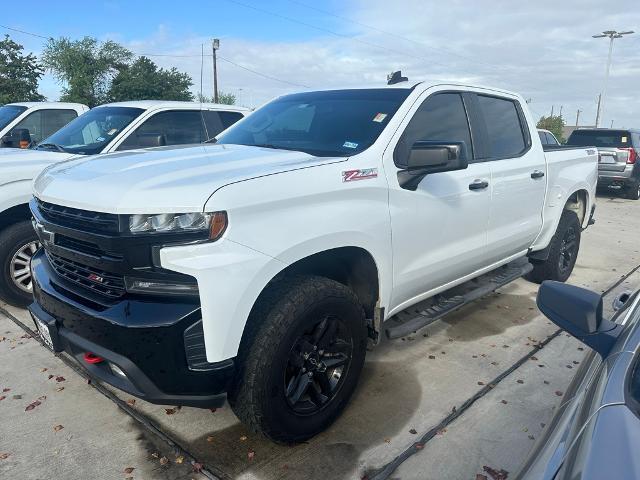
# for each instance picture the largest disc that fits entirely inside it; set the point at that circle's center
(396, 77)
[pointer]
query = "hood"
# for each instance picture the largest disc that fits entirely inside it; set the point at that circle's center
(24, 164)
(162, 180)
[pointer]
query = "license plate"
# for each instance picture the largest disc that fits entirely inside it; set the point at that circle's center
(45, 334)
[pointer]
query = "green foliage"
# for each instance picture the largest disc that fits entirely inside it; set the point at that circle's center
(19, 74)
(223, 98)
(85, 67)
(554, 124)
(143, 80)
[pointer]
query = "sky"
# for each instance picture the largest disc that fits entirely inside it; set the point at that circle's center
(543, 50)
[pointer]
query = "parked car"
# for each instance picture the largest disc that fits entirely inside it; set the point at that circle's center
(596, 431)
(258, 268)
(110, 128)
(618, 152)
(547, 138)
(26, 123)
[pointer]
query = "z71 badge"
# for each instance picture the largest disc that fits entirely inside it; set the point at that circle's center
(361, 174)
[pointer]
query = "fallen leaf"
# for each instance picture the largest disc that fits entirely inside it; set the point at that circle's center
(243, 438)
(479, 476)
(419, 446)
(413, 431)
(533, 358)
(541, 366)
(481, 383)
(32, 405)
(17, 397)
(5, 390)
(131, 402)
(581, 348)
(88, 381)
(59, 389)
(496, 474)
(559, 393)
(542, 425)
(210, 439)
(494, 363)
(4, 456)
(519, 381)
(170, 411)
(128, 470)
(179, 459)
(575, 362)
(43, 369)
(387, 440)
(569, 366)
(57, 428)
(531, 437)
(50, 377)
(197, 467)
(155, 454)
(504, 402)
(213, 410)
(546, 382)
(60, 379)
(2, 398)
(164, 461)
(251, 454)
(432, 357)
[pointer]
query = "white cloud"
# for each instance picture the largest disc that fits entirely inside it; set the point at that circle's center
(541, 49)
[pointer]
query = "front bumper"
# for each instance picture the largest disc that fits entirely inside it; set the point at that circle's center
(143, 337)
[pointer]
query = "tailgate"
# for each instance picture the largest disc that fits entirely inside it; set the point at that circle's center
(612, 159)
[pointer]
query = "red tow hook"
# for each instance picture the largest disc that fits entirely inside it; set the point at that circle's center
(92, 358)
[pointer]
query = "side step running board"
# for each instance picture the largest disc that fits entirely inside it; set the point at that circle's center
(456, 297)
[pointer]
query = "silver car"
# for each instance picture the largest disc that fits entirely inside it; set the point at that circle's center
(595, 434)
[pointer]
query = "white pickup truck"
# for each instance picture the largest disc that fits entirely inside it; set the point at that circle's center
(27, 123)
(109, 128)
(258, 269)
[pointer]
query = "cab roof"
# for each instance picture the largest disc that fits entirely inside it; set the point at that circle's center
(155, 104)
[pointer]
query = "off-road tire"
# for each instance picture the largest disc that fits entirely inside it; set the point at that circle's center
(281, 313)
(550, 269)
(12, 238)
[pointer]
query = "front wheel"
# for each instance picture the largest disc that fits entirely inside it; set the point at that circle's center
(563, 251)
(300, 359)
(18, 244)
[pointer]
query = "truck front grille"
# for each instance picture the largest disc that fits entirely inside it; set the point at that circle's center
(107, 284)
(79, 219)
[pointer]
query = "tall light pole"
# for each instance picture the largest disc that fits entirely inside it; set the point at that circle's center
(612, 35)
(215, 45)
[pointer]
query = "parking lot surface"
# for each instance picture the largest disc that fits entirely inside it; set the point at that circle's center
(472, 390)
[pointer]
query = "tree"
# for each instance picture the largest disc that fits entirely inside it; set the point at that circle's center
(143, 80)
(554, 124)
(223, 98)
(19, 74)
(85, 67)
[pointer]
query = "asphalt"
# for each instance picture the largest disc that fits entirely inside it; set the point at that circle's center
(472, 390)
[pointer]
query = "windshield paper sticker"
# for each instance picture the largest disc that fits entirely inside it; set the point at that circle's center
(350, 145)
(100, 139)
(360, 174)
(624, 139)
(112, 131)
(379, 117)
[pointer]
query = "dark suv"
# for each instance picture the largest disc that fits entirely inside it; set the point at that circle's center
(618, 152)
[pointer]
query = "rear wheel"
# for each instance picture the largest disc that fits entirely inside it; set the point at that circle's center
(633, 191)
(301, 358)
(563, 251)
(19, 243)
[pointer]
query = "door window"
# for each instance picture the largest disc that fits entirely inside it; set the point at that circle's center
(504, 129)
(218, 121)
(170, 128)
(440, 118)
(43, 123)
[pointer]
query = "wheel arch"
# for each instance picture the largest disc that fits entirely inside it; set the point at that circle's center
(14, 214)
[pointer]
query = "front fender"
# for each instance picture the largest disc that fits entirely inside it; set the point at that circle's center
(15, 193)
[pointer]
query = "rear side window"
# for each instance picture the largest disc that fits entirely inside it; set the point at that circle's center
(551, 140)
(506, 137)
(174, 128)
(601, 138)
(216, 122)
(543, 137)
(441, 118)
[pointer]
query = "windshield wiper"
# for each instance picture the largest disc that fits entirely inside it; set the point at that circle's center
(55, 146)
(276, 147)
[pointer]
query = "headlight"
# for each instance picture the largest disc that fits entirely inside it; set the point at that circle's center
(215, 223)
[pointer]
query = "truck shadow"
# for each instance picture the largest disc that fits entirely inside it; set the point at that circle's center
(386, 399)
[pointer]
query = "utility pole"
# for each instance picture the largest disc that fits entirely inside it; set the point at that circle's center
(560, 111)
(215, 45)
(552, 110)
(611, 124)
(611, 35)
(578, 117)
(598, 111)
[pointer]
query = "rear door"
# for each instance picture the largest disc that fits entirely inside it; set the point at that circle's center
(440, 228)
(517, 176)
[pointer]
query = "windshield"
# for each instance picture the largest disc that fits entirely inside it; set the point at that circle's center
(325, 124)
(8, 113)
(600, 138)
(92, 131)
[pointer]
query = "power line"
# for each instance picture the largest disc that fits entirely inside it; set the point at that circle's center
(255, 72)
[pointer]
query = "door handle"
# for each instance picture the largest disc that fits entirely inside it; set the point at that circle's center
(537, 174)
(478, 185)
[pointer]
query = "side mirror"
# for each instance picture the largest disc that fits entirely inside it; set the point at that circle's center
(579, 312)
(431, 157)
(148, 140)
